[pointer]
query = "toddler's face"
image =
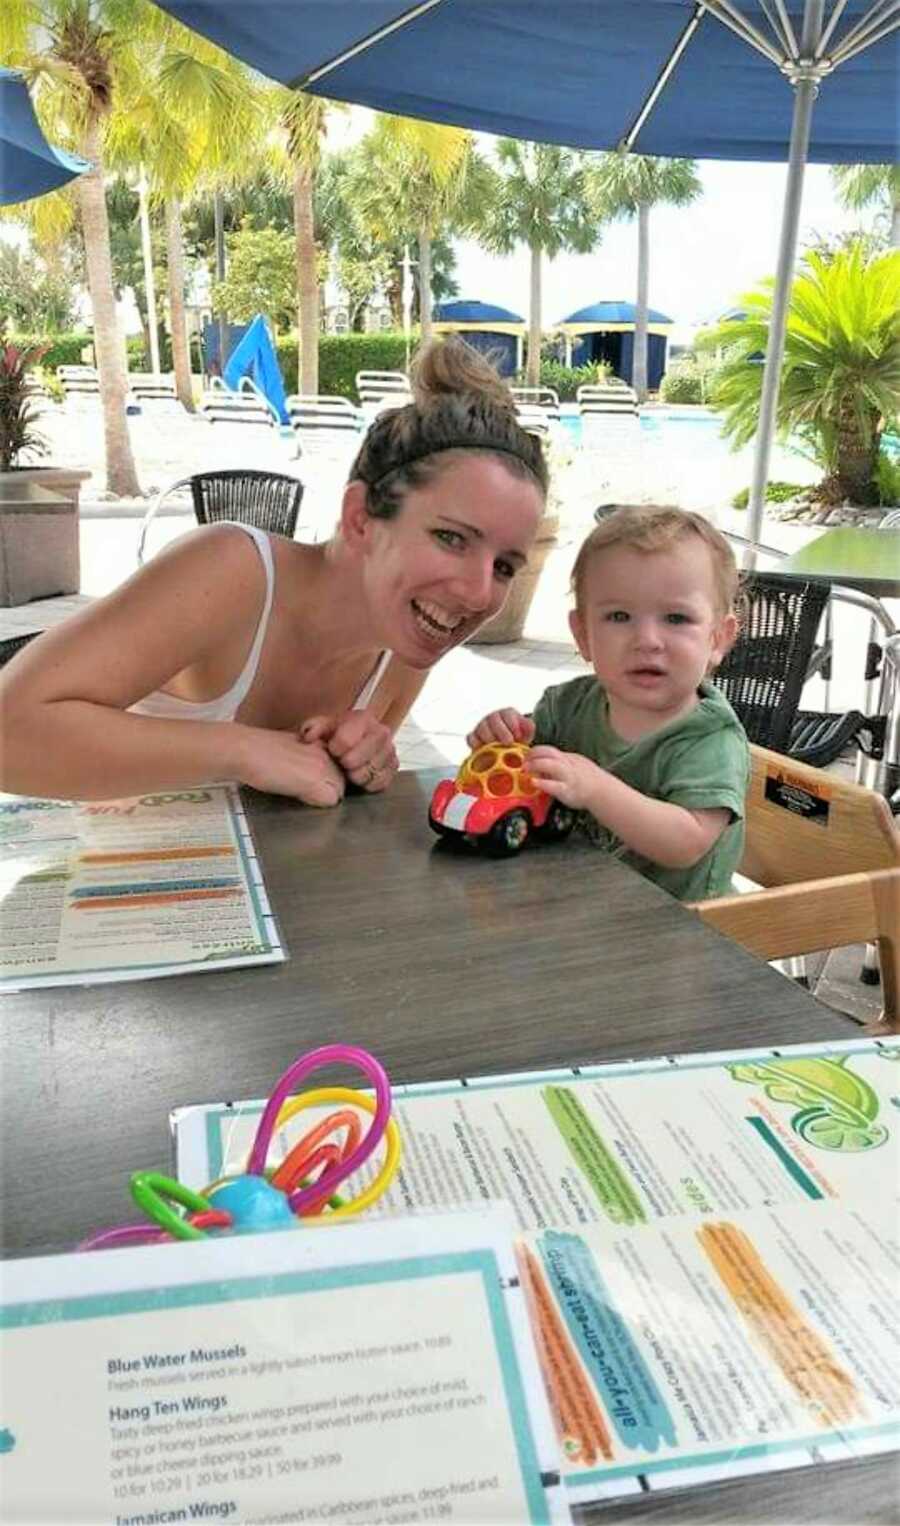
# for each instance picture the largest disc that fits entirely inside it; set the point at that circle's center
(649, 625)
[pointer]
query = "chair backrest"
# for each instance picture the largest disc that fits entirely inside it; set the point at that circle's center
(378, 386)
(269, 500)
(535, 420)
(84, 379)
(762, 677)
(805, 824)
(312, 413)
(220, 405)
(545, 398)
(831, 913)
(149, 385)
(10, 645)
(606, 399)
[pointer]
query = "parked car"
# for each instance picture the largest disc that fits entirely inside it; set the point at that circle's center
(495, 804)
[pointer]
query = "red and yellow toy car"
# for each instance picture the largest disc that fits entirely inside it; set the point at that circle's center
(494, 802)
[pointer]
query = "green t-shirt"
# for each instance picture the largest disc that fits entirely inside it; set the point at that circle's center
(700, 761)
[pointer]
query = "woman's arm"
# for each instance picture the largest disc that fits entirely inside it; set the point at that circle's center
(64, 726)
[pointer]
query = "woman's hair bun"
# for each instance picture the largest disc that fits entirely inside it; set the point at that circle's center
(451, 368)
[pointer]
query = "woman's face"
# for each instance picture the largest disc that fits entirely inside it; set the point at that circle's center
(445, 563)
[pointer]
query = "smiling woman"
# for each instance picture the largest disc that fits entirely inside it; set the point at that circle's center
(299, 660)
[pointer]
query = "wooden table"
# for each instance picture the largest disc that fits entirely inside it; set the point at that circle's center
(865, 559)
(442, 963)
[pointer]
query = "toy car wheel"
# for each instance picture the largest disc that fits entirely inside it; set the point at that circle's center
(509, 834)
(438, 826)
(559, 823)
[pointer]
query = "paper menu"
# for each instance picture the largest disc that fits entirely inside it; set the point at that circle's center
(162, 884)
(699, 1234)
(368, 1373)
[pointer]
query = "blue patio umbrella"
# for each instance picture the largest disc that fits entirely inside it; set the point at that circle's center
(29, 165)
(722, 79)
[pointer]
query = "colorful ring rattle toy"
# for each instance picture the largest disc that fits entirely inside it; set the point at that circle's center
(302, 1189)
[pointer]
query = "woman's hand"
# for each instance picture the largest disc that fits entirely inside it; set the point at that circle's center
(502, 726)
(361, 745)
(280, 763)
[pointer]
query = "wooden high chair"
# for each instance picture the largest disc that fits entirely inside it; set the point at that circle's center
(827, 854)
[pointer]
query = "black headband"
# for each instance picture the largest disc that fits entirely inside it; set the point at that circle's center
(438, 450)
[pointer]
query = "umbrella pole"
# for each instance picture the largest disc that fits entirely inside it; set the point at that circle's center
(805, 76)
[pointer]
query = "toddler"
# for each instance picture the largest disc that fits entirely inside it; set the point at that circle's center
(645, 748)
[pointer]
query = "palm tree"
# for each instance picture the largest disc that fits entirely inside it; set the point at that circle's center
(865, 185)
(80, 53)
(630, 185)
(840, 380)
(539, 199)
(195, 121)
(413, 180)
(304, 124)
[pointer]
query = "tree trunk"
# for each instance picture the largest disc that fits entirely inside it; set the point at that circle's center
(121, 475)
(425, 299)
(219, 220)
(639, 366)
(533, 368)
(307, 284)
(149, 283)
(181, 352)
(856, 459)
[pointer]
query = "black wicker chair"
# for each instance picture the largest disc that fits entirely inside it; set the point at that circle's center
(764, 673)
(268, 500)
(13, 644)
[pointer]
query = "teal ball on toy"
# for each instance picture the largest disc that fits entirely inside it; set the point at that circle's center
(253, 1204)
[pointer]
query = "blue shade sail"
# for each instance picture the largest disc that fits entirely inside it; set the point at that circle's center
(577, 72)
(29, 165)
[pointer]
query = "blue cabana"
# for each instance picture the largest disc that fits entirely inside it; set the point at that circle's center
(494, 331)
(255, 357)
(605, 332)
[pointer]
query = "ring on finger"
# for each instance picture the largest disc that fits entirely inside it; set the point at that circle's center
(371, 774)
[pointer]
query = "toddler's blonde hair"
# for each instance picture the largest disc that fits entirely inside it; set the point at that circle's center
(657, 527)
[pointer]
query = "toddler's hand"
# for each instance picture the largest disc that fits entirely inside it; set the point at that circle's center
(567, 776)
(502, 726)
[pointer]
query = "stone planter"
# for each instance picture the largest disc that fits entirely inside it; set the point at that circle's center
(57, 479)
(509, 624)
(39, 554)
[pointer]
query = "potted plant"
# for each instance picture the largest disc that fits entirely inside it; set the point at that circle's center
(17, 411)
(508, 624)
(18, 415)
(38, 515)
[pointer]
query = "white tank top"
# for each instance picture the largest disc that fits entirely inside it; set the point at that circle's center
(169, 707)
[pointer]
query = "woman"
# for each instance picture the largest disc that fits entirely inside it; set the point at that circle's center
(299, 660)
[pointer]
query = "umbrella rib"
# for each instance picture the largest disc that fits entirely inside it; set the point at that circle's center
(825, 39)
(303, 81)
(627, 141)
(841, 55)
(781, 26)
(867, 30)
(730, 16)
(876, 12)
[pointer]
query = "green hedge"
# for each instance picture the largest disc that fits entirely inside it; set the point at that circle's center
(681, 385)
(341, 356)
(139, 360)
(567, 379)
(62, 349)
(65, 350)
